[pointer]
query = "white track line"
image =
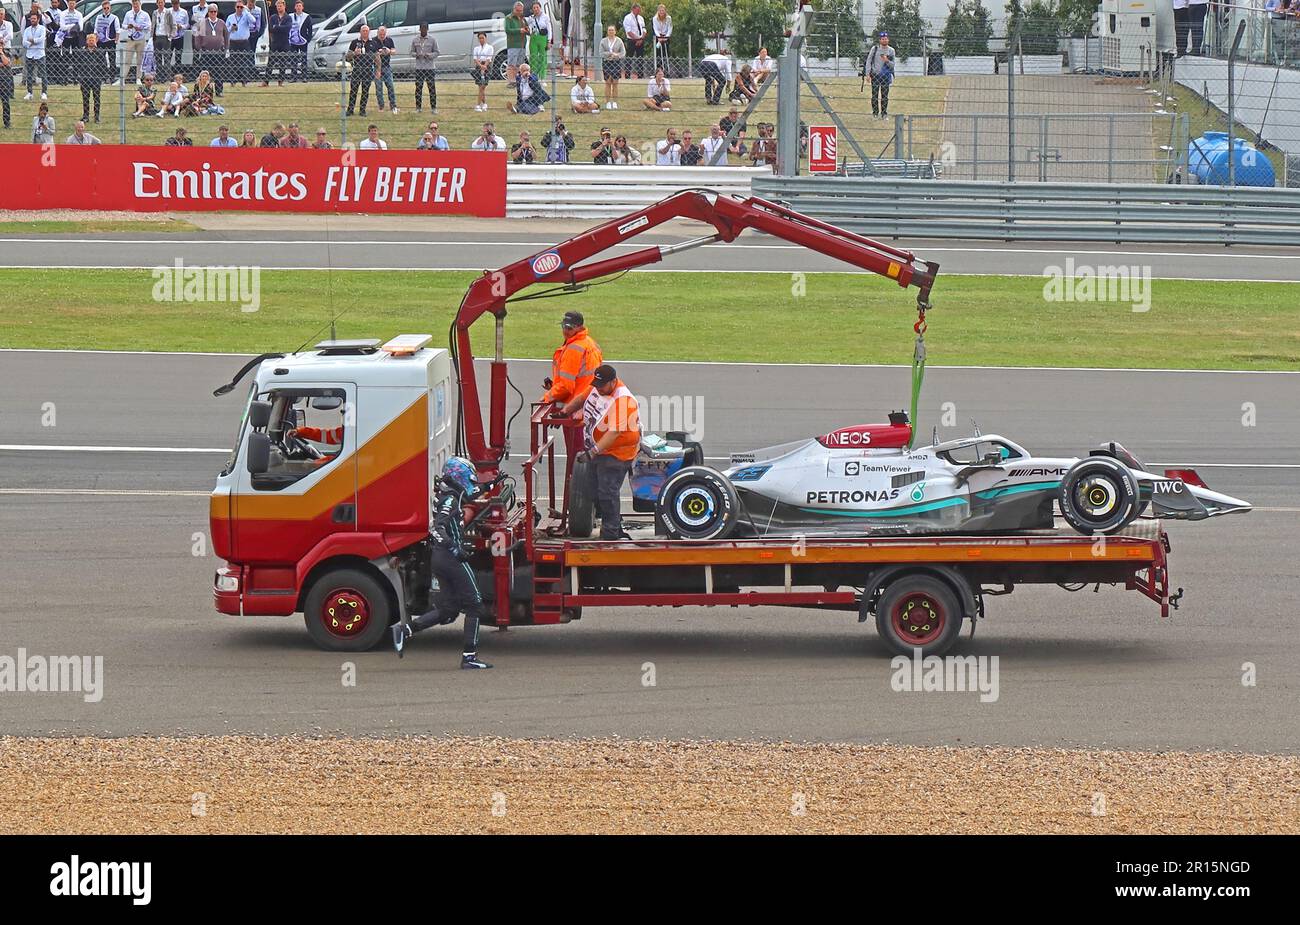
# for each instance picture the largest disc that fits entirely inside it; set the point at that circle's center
(104, 491)
(1055, 369)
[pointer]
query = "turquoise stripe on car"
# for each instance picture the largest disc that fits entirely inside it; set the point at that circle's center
(891, 512)
(1017, 489)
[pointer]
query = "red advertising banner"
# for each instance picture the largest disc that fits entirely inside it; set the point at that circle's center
(821, 149)
(183, 179)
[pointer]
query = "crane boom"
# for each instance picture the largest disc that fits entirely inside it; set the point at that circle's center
(563, 265)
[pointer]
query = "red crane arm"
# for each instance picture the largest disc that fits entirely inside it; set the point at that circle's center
(560, 265)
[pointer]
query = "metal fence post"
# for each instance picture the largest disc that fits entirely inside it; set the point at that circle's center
(1011, 106)
(1110, 149)
(343, 105)
(1232, 98)
(898, 135)
(121, 97)
(975, 146)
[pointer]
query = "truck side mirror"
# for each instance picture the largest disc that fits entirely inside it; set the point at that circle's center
(259, 414)
(259, 453)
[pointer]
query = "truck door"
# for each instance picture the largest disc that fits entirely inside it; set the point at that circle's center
(310, 490)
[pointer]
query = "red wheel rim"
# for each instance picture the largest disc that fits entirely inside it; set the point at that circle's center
(344, 613)
(918, 619)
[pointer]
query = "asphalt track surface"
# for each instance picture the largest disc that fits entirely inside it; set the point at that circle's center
(96, 558)
(477, 249)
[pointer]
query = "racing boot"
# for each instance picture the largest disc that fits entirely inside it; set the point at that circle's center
(471, 660)
(401, 633)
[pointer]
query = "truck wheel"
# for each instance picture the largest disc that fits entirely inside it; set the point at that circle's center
(698, 503)
(347, 610)
(918, 612)
(1098, 495)
(582, 499)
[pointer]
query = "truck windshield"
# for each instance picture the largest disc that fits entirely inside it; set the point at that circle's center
(229, 467)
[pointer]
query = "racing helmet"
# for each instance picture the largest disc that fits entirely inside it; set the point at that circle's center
(457, 471)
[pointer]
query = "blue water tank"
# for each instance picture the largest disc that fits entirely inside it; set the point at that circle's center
(1207, 160)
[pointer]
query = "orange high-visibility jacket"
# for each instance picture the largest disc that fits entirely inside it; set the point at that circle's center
(620, 414)
(330, 435)
(572, 367)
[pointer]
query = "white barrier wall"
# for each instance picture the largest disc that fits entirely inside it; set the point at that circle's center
(592, 191)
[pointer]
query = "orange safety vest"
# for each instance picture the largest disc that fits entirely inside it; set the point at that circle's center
(617, 412)
(329, 435)
(572, 367)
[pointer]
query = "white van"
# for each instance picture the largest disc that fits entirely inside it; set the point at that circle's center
(453, 23)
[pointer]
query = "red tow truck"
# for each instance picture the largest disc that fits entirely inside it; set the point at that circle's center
(339, 530)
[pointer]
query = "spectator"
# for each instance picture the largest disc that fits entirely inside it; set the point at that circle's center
(80, 136)
(162, 43)
(34, 56)
(716, 148)
(241, 26)
(146, 97)
(716, 71)
(293, 139)
(384, 51)
(361, 55)
(516, 38)
(691, 154)
(300, 30)
(763, 151)
(211, 39)
(67, 40)
(202, 101)
(181, 139)
(249, 139)
(178, 23)
(43, 126)
(272, 138)
(433, 140)
(583, 97)
(277, 61)
(372, 141)
(424, 50)
(322, 142)
(625, 156)
(763, 66)
(659, 93)
(6, 72)
(539, 40)
(91, 71)
(612, 53)
(634, 35)
(523, 152)
(668, 153)
(602, 149)
(662, 25)
(223, 139)
(879, 66)
(557, 144)
(530, 96)
(172, 100)
(744, 88)
(107, 28)
(484, 54)
(488, 140)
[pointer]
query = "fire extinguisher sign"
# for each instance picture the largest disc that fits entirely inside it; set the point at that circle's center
(821, 149)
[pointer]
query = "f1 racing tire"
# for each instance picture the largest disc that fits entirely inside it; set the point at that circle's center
(582, 500)
(347, 610)
(697, 503)
(918, 612)
(1099, 495)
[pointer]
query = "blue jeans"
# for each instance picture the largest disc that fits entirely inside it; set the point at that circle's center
(38, 65)
(386, 81)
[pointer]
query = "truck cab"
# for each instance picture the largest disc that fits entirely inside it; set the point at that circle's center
(324, 503)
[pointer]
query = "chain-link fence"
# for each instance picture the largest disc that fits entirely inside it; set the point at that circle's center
(1028, 98)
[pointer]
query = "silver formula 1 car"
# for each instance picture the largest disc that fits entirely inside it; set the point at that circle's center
(865, 479)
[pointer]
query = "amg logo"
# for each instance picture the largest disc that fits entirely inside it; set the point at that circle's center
(850, 497)
(1167, 486)
(1035, 470)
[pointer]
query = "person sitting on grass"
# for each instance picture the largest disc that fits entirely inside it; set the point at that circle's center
(658, 93)
(293, 139)
(625, 156)
(322, 142)
(583, 97)
(146, 96)
(272, 138)
(530, 96)
(743, 87)
(173, 99)
(249, 140)
(180, 139)
(200, 101)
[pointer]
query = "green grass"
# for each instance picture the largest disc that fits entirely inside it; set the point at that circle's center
(92, 226)
(316, 105)
(841, 318)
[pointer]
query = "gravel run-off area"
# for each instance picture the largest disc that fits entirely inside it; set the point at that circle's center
(448, 785)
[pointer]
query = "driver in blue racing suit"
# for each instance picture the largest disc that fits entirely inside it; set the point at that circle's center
(449, 558)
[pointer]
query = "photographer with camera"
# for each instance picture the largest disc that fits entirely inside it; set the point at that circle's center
(488, 140)
(557, 144)
(523, 152)
(602, 149)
